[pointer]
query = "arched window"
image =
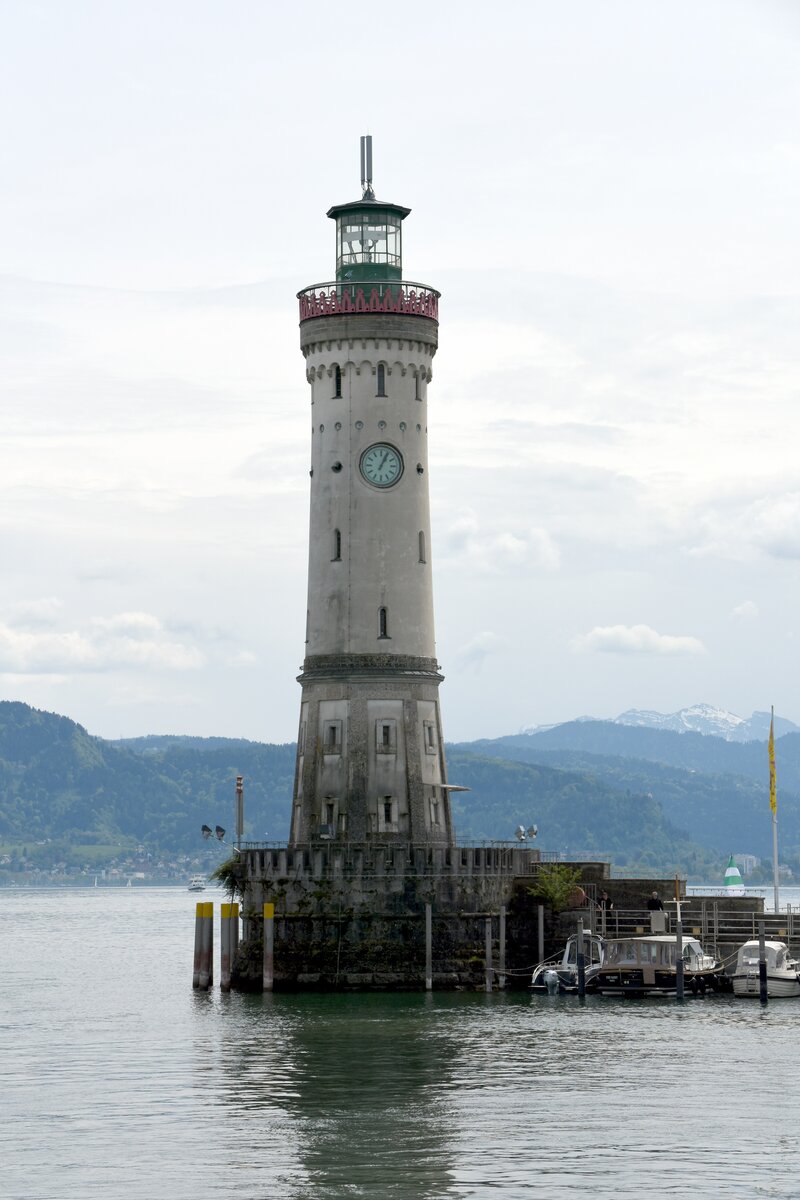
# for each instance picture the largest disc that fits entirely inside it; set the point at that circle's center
(417, 387)
(337, 381)
(383, 623)
(381, 379)
(422, 557)
(337, 546)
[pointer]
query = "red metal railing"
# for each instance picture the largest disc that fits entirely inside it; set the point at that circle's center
(373, 296)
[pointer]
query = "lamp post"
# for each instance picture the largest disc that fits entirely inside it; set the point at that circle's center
(219, 833)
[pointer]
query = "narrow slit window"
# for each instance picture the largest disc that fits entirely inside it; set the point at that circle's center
(337, 546)
(386, 736)
(422, 555)
(387, 810)
(429, 737)
(417, 387)
(332, 737)
(337, 381)
(381, 379)
(383, 623)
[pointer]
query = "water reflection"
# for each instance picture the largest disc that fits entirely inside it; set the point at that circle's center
(355, 1085)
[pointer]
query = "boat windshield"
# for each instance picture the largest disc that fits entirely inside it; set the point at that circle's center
(591, 952)
(775, 955)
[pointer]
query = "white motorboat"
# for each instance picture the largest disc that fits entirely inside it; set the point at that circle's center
(561, 974)
(645, 966)
(783, 971)
(197, 883)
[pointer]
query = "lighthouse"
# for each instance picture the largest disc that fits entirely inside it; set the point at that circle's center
(370, 750)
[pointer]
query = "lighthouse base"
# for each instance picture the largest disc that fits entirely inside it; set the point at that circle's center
(376, 918)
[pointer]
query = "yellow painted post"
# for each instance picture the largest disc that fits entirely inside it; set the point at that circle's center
(269, 947)
(198, 943)
(225, 947)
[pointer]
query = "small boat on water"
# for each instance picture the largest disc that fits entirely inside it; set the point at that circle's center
(197, 883)
(783, 971)
(645, 966)
(561, 974)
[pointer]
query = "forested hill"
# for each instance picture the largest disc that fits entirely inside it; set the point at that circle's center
(58, 783)
(716, 790)
(689, 751)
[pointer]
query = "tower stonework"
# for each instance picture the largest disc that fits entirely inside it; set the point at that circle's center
(371, 891)
(370, 760)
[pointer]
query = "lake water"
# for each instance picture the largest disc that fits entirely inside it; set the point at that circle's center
(118, 1080)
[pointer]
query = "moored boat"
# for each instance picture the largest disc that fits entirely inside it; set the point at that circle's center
(561, 974)
(783, 971)
(645, 966)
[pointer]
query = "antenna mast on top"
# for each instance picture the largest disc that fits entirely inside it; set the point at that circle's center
(366, 168)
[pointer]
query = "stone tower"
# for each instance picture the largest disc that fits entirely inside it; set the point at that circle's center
(370, 757)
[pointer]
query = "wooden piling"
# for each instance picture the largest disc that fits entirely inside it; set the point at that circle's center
(428, 948)
(268, 975)
(234, 933)
(488, 939)
(580, 959)
(206, 946)
(225, 947)
(198, 943)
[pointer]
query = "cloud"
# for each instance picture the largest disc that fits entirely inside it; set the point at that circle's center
(477, 546)
(481, 647)
(127, 640)
(745, 611)
(130, 624)
(33, 614)
(767, 525)
(635, 639)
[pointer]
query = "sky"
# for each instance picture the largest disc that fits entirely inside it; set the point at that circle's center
(607, 197)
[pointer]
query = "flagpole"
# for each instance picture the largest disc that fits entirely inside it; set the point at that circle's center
(773, 803)
(775, 861)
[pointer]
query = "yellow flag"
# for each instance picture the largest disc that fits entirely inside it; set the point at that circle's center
(773, 790)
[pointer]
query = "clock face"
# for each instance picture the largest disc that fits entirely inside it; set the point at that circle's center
(381, 465)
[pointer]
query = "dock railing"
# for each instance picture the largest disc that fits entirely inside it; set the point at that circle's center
(708, 920)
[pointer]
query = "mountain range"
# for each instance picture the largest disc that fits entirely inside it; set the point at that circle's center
(698, 718)
(649, 799)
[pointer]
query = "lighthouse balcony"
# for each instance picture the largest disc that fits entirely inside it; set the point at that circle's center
(368, 297)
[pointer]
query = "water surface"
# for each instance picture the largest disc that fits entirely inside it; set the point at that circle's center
(119, 1080)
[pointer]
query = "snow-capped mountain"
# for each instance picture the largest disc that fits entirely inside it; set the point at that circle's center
(714, 722)
(699, 718)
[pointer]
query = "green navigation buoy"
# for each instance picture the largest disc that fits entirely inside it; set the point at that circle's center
(733, 881)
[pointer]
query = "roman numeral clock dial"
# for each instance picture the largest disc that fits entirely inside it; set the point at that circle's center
(381, 465)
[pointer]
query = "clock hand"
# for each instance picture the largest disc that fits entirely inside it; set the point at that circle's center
(383, 460)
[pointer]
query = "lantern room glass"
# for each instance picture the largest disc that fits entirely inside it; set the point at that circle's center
(368, 244)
